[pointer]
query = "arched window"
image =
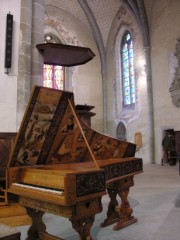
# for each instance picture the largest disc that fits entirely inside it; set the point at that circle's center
(53, 74)
(128, 75)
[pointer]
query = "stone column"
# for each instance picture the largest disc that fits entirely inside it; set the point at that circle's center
(150, 106)
(24, 65)
(30, 67)
(37, 59)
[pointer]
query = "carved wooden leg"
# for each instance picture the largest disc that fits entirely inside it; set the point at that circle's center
(83, 227)
(112, 214)
(37, 224)
(125, 211)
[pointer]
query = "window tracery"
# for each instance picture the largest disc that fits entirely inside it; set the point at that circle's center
(128, 73)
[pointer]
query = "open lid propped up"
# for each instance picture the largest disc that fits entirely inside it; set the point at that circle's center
(44, 112)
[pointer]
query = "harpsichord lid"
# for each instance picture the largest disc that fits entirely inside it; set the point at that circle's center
(52, 133)
(43, 115)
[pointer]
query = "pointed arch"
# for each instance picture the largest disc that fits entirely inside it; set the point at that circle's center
(127, 69)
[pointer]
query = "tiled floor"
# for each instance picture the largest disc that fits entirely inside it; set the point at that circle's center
(155, 200)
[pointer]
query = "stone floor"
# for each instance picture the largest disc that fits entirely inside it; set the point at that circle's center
(155, 200)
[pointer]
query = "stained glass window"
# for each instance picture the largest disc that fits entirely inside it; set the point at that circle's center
(53, 76)
(128, 76)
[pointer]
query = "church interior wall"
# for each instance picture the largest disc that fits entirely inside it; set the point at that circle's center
(136, 120)
(8, 82)
(84, 80)
(164, 30)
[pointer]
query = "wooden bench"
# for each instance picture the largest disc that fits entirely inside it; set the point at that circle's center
(9, 233)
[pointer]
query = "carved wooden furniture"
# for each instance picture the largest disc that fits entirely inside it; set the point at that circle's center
(62, 166)
(85, 114)
(42, 186)
(6, 144)
(65, 55)
(72, 191)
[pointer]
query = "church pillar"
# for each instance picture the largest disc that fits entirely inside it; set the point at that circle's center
(150, 106)
(24, 65)
(30, 67)
(37, 59)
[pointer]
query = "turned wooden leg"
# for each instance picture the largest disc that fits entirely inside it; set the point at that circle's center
(37, 224)
(83, 227)
(112, 214)
(125, 211)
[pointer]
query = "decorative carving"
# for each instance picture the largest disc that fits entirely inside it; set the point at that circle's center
(122, 214)
(175, 86)
(125, 211)
(81, 215)
(83, 226)
(37, 223)
(176, 83)
(89, 183)
(112, 215)
(117, 170)
(175, 94)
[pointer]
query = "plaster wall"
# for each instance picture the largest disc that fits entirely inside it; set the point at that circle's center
(8, 82)
(136, 120)
(164, 30)
(84, 80)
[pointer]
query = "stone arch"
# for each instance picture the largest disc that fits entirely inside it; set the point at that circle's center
(121, 131)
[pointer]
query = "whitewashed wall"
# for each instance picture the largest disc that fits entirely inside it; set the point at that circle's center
(164, 29)
(8, 82)
(136, 120)
(84, 80)
(164, 19)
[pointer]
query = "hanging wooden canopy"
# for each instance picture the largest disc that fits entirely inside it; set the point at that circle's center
(65, 55)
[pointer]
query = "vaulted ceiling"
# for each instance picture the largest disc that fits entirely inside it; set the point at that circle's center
(101, 13)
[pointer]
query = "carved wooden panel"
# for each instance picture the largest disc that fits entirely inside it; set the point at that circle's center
(6, 144)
